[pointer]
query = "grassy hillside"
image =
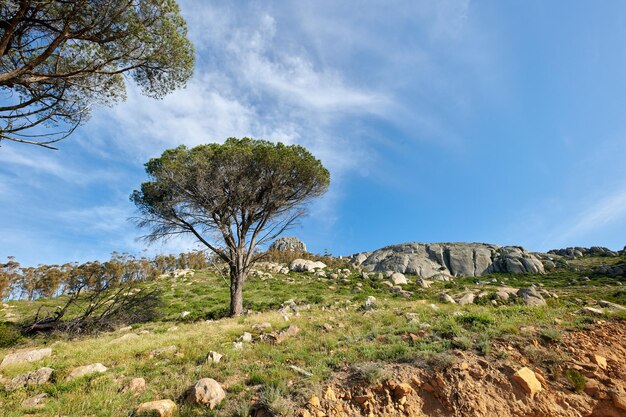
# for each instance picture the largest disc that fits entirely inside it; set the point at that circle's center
(335, 333)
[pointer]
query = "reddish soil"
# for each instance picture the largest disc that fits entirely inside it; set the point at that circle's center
(472, 385)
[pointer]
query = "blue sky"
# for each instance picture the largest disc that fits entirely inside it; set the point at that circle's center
(490, 121)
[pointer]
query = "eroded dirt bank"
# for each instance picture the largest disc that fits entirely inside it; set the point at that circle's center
(583, 374)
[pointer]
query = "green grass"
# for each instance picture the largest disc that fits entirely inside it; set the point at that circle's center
(359, 340)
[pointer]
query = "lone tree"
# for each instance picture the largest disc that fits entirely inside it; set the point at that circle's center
(58, 58)
(231, 197)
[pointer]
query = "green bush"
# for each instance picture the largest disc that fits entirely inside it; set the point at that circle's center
(10, 335)
(576, 379)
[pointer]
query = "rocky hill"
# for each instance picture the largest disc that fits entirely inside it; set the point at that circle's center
(456, 259)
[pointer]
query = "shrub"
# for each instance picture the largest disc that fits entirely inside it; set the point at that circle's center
(576, 379)
(370, 372)
(10, 335)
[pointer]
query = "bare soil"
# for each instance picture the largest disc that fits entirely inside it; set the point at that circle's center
(471, 385)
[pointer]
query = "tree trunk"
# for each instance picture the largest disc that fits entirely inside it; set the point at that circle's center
(237, 279)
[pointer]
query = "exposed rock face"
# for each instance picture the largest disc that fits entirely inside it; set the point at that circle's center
(577, 252)
(288, 244)
(305, 265)
(25, 356)
(457, 259)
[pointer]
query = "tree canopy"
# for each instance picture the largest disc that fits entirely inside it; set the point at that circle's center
(232, 197)
(59, 58)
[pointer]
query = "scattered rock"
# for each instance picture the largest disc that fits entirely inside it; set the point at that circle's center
(214, 357)
(184, 314)
(262, 326)
(527, 379)
(305, 265)
(445, 298)
(279, 337)
(87, 370)
(25, 356)
(160, 408)
(208, 392)
(370, 302)
(424, 283)
(163, 350)
(135, 386)
(300, 371)
(599, 360)
(38, 377)
(611, 306)
(245, 337)
(593, 311)
(467, 299)
(398, 279)
(237, 345)
(531, 297)
(35, 402)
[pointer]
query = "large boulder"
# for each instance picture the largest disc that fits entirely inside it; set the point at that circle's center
(305, 265)
(206, 391)
(288, 244)
(25, 356)
(455, 259)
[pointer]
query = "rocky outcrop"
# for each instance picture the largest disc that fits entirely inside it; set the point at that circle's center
(577, 252)
(456, 259)
(288, 244)
(305, 265)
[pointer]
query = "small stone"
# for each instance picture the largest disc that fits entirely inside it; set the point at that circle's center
(245, 337)
(402, 390)
(214, 357)
(600, 361)
(208, 392)
(237, 345)
(87, 370)
(184, 314)
(447, 299)
(160, 408)
(527, 380)
(619, 400)
(163, 350)
(136, 386)
(262, 326)
(34, 402)
(329, 394)
(370, 302)
(314, 401)
(591, 387)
